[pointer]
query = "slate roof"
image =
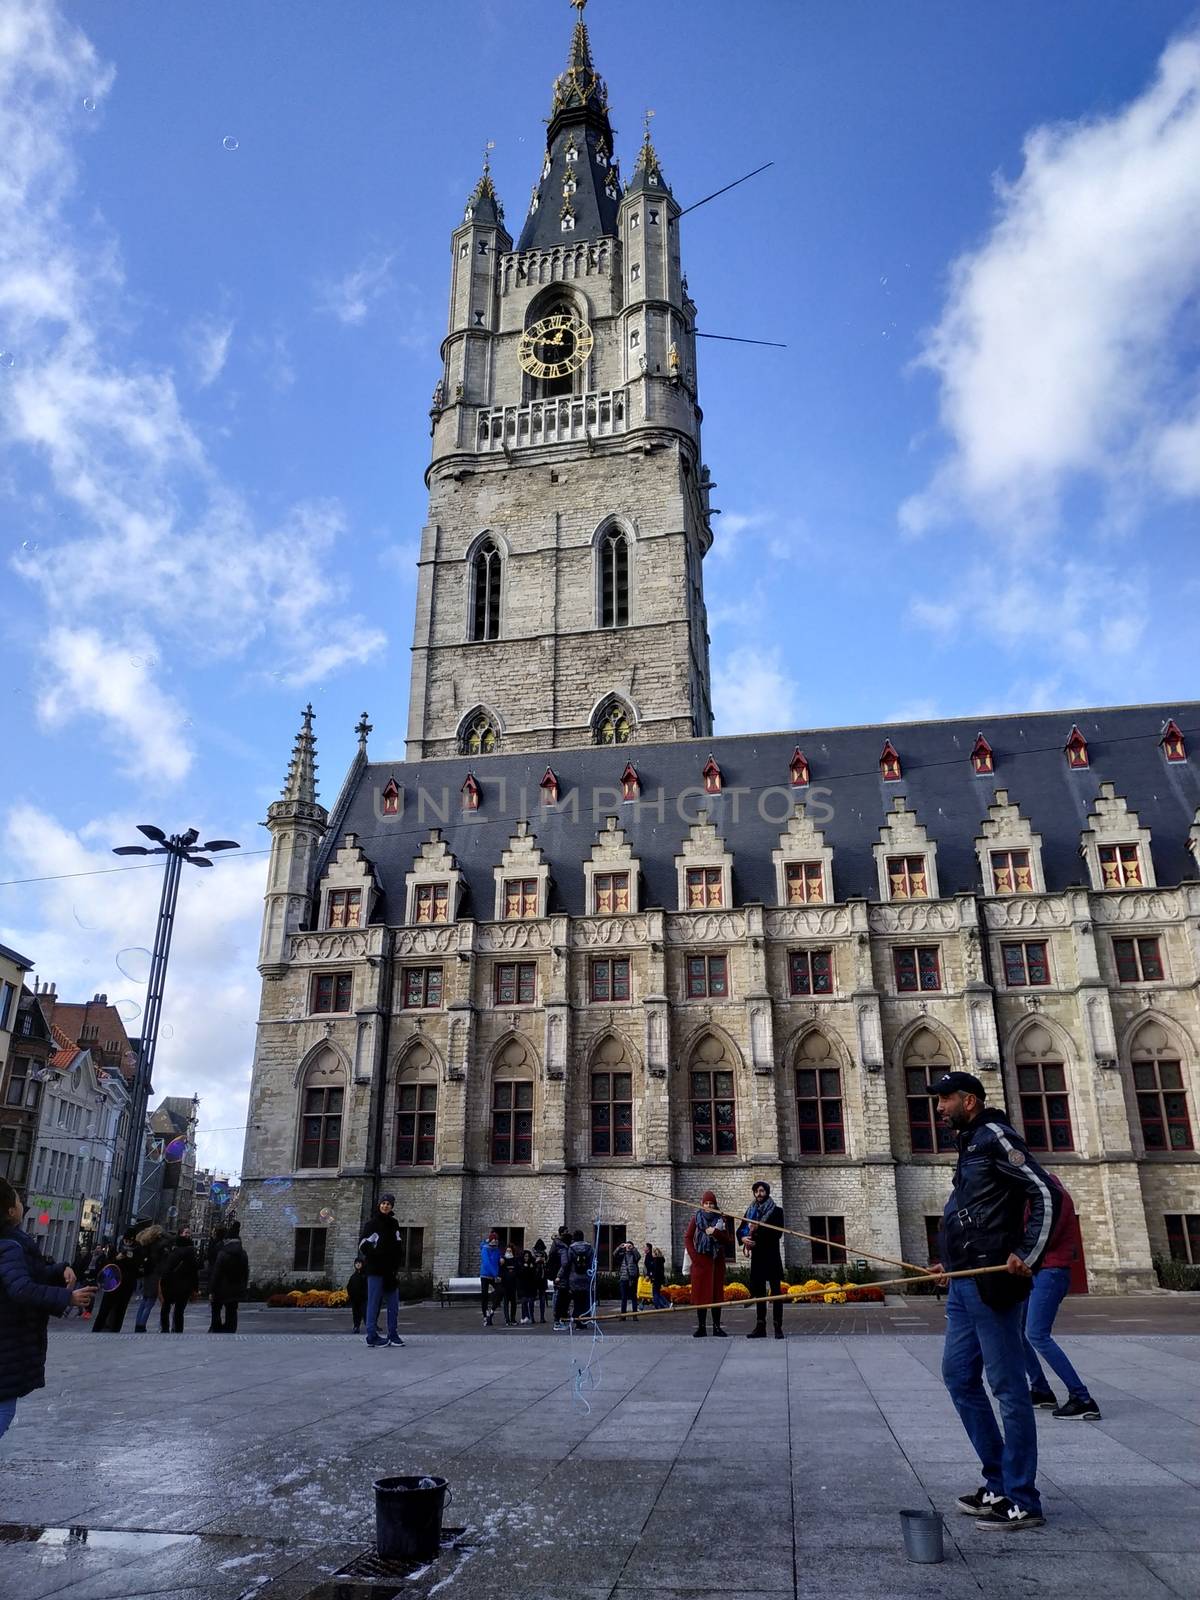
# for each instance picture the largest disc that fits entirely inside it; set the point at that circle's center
(937, 780)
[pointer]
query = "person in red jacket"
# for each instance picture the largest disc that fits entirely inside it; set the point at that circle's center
(1050, 1284)
(704, 1242)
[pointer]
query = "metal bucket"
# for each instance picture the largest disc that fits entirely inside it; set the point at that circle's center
(923, 1536)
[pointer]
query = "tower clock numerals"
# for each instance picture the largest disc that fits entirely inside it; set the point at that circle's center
(555, 346)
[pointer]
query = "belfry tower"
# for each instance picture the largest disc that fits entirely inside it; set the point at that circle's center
(560, 597)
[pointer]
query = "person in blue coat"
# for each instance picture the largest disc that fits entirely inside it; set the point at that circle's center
(32, 1290)
(489, 1275)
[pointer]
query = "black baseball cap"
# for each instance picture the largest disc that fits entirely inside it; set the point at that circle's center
(959, 1083)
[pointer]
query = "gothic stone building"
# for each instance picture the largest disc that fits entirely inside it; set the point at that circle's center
(575, 943)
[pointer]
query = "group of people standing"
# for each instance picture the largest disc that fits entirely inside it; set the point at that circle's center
(164, 1270)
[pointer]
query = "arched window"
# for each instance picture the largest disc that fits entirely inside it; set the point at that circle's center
(819, 1098)
(321, 1103)
(485, 591)
(611, 1100)
(613, 724)
(416, 1109)
(713, 1100)
(614, 580)
(1042, 1087)
(478, 736)
(926, 1057)
(512, 1107)
(1161, 1096)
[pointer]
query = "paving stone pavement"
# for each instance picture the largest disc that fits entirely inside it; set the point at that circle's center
(241, 1468)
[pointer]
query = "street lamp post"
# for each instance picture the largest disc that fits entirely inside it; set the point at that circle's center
(178, 848)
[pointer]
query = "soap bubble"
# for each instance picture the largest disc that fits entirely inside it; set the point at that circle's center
(88, 103)
(108, 1278)
(172, 1213)
(85, 1150)
(279, 1185)
(86, 926)
(289, 1215)
(128, 1009)
(134, 963)
(229, 142)
(166, 1031)
(325, 1214)
(29, 546)
(175, 1149)
(7, 359)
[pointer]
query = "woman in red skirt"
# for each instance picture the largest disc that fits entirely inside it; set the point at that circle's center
(704, 1242)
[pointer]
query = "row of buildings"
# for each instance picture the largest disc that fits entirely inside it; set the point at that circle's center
(66, 1073)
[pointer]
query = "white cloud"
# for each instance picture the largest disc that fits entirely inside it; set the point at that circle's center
(164, 548)
(207, 342)
(1060, 349)
(75, 929)
(352, 297)
(753, 693)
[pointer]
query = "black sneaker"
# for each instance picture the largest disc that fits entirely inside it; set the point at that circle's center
(396, 1343)
(757, 1333)
(1010, 1518)
(980, 1503)
(779, 1333)
(1086, 1410)
(1043, 1399)
(719, 1333)
(699, 1333)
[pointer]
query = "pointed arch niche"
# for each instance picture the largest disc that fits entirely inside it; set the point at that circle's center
(613, 544)
(512, 1103)
(819, 1082)
(712, 1094)
(485, 588)
(614, 721)
(613, 1089)
(479, 732)
(1042, 1065)
(321, 1110)
(924, 1051)
(415, 1088)
(1162, 1077)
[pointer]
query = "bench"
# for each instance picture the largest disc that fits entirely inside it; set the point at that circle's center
(449, 1290)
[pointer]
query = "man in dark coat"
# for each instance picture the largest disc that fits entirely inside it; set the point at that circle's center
(115, 1302)
(762, 1241)
(382, 1254)
(179, 1282)
(228, 1280)
(32, 1290)
(356, 1292)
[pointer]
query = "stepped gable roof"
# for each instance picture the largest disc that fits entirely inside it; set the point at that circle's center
(579, 158)
(939, 783)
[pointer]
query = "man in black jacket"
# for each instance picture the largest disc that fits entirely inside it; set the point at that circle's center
(1000, 1213)
(382, 1253)
(228, 1280)
(762, 1239)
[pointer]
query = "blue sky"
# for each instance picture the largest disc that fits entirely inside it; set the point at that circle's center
(969, 483)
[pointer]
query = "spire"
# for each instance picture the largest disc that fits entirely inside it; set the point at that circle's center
(483, 205)
(577, 195)
(363, 729)
(647, 171)
(302, 769)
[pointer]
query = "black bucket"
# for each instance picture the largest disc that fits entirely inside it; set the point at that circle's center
(408, 1517)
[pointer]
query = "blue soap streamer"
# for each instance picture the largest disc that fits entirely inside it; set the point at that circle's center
(587, 1374)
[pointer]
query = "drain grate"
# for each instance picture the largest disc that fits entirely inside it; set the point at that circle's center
(375, 1569)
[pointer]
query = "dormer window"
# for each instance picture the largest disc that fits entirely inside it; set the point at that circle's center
(546, 166)
(431, 902)
(343, 909)
(981, 757)
(711, 776)
(569, 186)
(907, 878)
(1076, 749)
(653, 210)
(391, 798)
(572, 154)
(549, 788)
(1120, 866)
(798, 769)
(611, 892)
(1172, 743)
(520, 899)
(704, 888)
(889, 763)
(568, 219)
(470, 793)
(631, 785)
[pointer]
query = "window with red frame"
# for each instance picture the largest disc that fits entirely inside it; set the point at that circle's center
(1162, 1105)
(1045, 1108)
(612, 1113)
(933, 1238)
(1011, 872)
(1138, 960)
(512, 1122)
(1026, 965)
(432, 902)
(828, 1241)
(926, 1132)
(707, 977)
(918, 968)
(514, 983)
(610, 980)
(421, 988)
(805, 882)
(520, 898)
(343, 908)
(1183, 1236)
(810, 971)
(610, 891)
(416, 1124)
(321, 1128)
(704, 888)
(1120, 866)
(819, 1109)
(907, 878)
(332, 991)
(714, 1121)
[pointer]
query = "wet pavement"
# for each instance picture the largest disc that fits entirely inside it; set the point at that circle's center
(240, 1468)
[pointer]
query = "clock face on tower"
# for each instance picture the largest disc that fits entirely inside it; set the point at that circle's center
(555, 346)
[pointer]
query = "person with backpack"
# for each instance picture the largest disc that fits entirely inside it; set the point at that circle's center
(628, 1258)
(32, 1290)
(356, 1292)
(509, 1273)
(579, 1267)
(556, 1271)
(541, 1262)
(489, 1275)
(228, 1280)
(704, 1241)
(528, 1277)
(180, 1280)
(1051, 1283)
(382, 1253)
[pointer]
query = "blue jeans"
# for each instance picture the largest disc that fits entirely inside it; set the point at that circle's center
(978, 1338)
(8, 1410)
(375, 1294)
(145, 1307)
(1050, 1285)
(658, 1299)
(629, 1295)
